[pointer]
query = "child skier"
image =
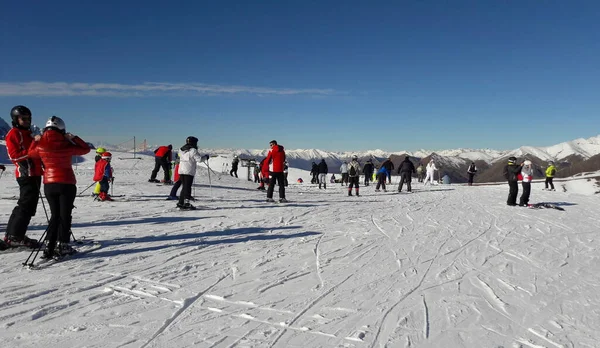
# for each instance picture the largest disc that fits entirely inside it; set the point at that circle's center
(103, 174)
(99, 152)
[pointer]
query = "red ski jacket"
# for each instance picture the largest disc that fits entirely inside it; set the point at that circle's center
(18, 142)
(100, 170)
(163, 151)
(275, 161)
(55, 150)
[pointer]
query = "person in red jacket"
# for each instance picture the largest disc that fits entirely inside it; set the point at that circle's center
(274, 165)
(55, 149)
(103, 174)
(162, 158)
(29, 177)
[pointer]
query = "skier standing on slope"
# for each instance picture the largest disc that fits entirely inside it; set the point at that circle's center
(29, 177)
(162, 159)
(550, 172)
(234, 166)
(511, 171)
(389, 166)
(99, 152)
(314, 171)
(471, 172)
(344, 171)
(381, 177)
(431, 168)
(188, 159)
(103, 174)
(55, 149)
(406, 170)
(274, 163)
(353, 174)
(527, 177)
(420, 172)
(368, 170)
(323, 170)
(263, 179)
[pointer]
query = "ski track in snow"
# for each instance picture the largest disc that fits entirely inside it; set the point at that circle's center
(448, 266)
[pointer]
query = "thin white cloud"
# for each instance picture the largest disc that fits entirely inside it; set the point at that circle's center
(64, 89)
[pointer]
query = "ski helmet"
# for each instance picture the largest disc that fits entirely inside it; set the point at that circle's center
(551, 163)
(100, 150)
(106, 155)
(355, 157)
(512, 159)
(192, 141)
(56, 123)
(17, 111)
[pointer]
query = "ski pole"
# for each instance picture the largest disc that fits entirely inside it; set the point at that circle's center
(36, 250)
(87, 188)
(209, 181)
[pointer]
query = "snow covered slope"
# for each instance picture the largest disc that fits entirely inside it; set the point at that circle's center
(446, 266)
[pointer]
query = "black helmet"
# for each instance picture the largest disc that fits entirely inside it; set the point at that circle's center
(192, 141)
(17, 111)
(512, 159)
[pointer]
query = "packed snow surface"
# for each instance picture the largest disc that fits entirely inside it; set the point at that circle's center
(445, 266)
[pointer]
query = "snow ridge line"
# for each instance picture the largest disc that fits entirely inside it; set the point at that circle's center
(294, 319)
(318, 264)
(187, 303)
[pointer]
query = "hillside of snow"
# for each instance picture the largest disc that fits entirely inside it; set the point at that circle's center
(445, 266)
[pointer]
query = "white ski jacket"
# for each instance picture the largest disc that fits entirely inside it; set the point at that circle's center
(188, 160)
(431, 167)
(344, 168)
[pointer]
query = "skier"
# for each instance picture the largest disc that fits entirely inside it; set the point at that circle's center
(263, 179)
(527, 175)
(234, 166)
(368, 170)
(29, 177)
(382, 174)
(389, 166)
(471, 172)
(431, 168)
(103, 174)
(188, 159)
(99, 152)
(420, 172)
(353, 174)
(344, 171)
(550, 172)
(162, 159)
(276, 159)
(323, 170)
(54, 149)
(511, 170)
(314, 171)
(406, 169)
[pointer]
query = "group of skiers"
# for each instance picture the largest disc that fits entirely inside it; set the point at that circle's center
(523, 172)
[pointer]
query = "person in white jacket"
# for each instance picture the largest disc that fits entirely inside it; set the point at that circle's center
(188, 160)
(344, 171)
(431, 168)
(527, 174)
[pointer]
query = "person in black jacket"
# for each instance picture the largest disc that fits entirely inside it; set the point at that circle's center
(471, 172)
(323, 170)
(314, 171)
(511, 172)
(406, 169)
(389, 166)
(368, 171)
(234, 166)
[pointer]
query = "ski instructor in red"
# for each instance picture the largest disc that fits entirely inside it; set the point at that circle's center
(273, 166)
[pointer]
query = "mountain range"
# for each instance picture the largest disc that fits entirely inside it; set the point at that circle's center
(571, 157)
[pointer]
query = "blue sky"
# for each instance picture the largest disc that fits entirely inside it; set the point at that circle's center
(333, 75)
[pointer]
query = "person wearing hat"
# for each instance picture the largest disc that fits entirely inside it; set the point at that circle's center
(55, 149)
(353, 175)
(234, 166)
(527, 177)
(368, 170)
(511, 172)
(344, 172)
(99, 152)
(550, 172)
(389, 166)
(103, 175)
(162, 159)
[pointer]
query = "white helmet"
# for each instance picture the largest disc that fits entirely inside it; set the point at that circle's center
(56, 122)
(355, 157)
(527, 163)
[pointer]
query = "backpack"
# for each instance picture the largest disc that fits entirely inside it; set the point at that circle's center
(352, 171)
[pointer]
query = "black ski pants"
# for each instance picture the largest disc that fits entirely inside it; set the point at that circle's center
(524, 200)
(29, 195)
(186, 189)
(280, 179)
(368, 177)
(406, 177)
(549, 182)
(233, 170)
(353, 182)
(380, 181)
(513, 191)
(471, 175)
(344, 179)
(60, 199)
(161, 162)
